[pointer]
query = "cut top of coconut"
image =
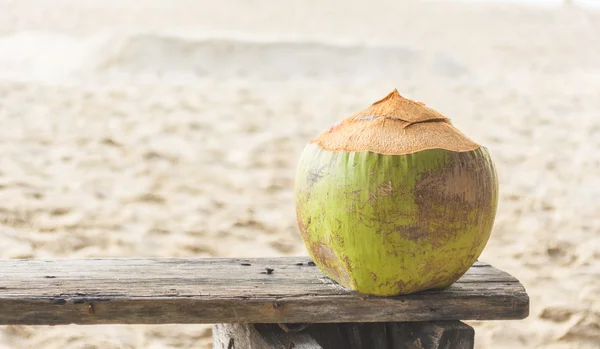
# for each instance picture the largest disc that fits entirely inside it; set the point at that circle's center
(395, 125)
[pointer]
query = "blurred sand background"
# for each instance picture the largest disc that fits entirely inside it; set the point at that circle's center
(172, 128)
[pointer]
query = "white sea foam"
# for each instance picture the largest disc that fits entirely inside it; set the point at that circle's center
(59, 57)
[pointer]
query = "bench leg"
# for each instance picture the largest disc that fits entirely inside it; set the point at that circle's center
(391, 335)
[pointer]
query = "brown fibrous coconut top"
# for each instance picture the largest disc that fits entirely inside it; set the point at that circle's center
(396, 126)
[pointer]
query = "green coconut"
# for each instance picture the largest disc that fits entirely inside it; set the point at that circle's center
(395, 200)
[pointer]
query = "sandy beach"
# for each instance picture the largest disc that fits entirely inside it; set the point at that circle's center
(172, 129)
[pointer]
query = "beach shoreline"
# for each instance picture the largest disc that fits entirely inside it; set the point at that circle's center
(173, 129)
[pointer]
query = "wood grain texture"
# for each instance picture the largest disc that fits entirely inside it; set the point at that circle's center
(160, 291)
(260, 336)
(390, 335)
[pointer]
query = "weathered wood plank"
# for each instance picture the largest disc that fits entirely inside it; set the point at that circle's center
(391, 335)
(155, 291)
(260, 336)
(434, 335)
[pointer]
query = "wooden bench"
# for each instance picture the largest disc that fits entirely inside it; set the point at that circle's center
(255, 303)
